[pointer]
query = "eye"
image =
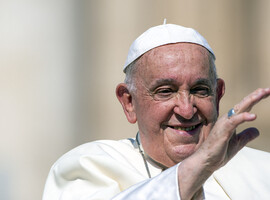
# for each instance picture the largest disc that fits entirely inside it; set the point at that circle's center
(201, 91)
(163, 93)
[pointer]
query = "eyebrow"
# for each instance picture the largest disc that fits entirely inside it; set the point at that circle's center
(159, 82)
(164, 81)
(203, 81)
(171, 81)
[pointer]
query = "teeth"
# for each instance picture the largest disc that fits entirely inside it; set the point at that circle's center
(184, 128)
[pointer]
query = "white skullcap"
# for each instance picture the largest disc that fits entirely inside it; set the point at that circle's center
(161, 35)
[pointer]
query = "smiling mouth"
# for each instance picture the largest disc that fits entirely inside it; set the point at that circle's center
(185, 128)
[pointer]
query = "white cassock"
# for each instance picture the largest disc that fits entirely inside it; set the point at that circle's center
(116, 170)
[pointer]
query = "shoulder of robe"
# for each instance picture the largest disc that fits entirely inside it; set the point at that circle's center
(253, 157)
(100, 147)
(247, 175)
(98, 158)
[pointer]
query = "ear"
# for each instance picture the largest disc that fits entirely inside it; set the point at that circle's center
(125, 98)
(220, 90)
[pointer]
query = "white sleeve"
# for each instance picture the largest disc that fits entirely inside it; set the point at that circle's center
(163, 186)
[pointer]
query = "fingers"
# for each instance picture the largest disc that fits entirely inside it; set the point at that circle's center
(241, 112)
(230, 124)
(238, 141)
(248, 102)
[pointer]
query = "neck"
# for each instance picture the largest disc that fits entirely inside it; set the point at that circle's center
(147, 157)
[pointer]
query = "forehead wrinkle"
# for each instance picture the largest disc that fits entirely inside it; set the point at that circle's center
(184, 52)
(166, 55)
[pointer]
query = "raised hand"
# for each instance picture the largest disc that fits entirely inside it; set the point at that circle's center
(223, 142)
(220, 146)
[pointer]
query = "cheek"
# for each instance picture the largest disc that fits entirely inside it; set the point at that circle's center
(151, 115)
(207, 108)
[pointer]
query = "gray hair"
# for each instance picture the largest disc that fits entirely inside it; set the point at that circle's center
(213, 70)
(131, 70)
(130, 74)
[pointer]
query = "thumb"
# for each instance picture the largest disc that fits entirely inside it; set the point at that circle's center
(246, 136)
(238, 141)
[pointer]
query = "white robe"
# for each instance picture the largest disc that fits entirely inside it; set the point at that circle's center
(105, 169)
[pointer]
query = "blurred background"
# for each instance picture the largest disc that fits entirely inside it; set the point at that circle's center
(60, 62)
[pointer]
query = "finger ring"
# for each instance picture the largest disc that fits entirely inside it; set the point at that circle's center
(231, 113)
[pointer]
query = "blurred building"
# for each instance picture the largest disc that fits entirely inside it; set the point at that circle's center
(61, 60)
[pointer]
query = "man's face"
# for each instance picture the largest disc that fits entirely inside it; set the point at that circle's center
(175, 101)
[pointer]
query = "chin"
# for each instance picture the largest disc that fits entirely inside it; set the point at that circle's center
(178, 154)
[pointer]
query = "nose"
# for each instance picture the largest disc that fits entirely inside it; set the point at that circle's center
(185, 105)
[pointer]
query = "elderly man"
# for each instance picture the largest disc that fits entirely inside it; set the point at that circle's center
(181, 150)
